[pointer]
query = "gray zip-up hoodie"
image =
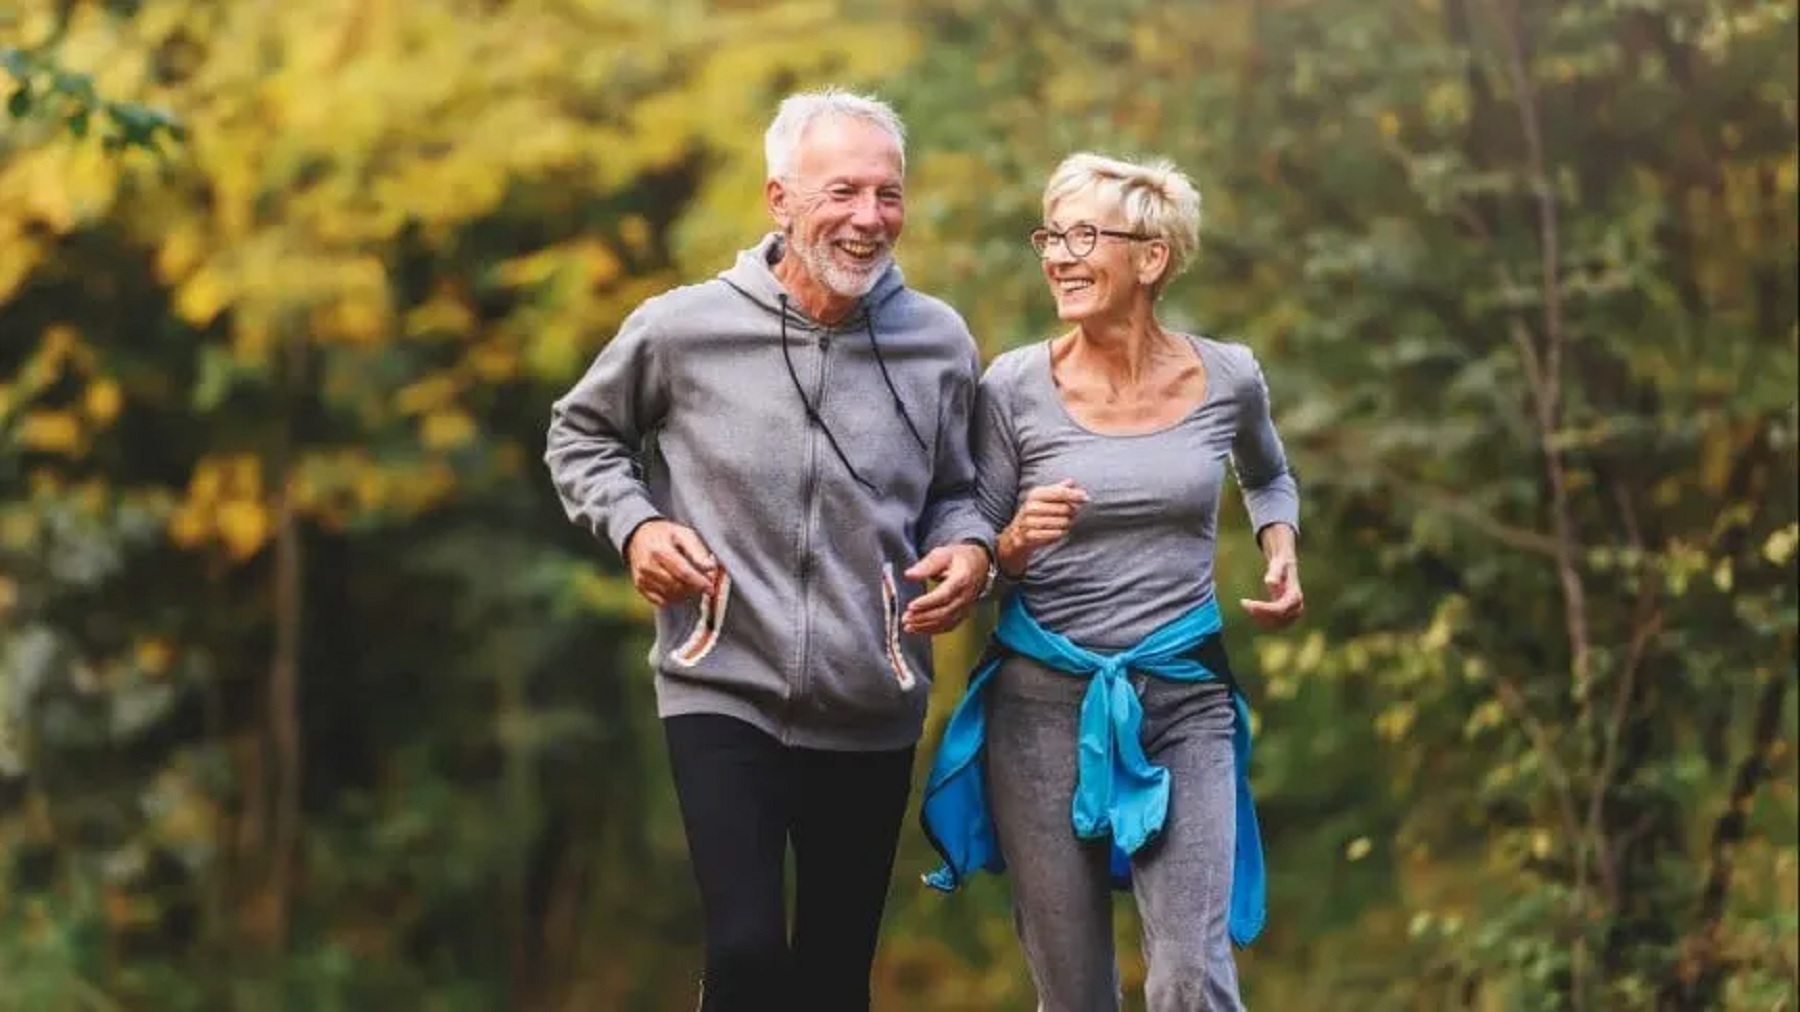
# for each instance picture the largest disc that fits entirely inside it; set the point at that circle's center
(696, 412)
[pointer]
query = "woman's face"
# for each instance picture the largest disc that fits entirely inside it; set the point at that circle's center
(1106, 281)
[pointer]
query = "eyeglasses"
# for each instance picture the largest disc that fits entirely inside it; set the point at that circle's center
(1079, 240)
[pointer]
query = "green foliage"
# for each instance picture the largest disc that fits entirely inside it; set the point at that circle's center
(40, 88)
(309, 698)
(1522, 278)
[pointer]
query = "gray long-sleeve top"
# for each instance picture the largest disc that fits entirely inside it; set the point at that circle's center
(1140, 553)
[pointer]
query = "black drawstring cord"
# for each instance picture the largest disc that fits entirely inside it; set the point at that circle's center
(812, 414)
(899, 405)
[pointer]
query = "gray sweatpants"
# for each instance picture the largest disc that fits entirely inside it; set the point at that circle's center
(1061, 895)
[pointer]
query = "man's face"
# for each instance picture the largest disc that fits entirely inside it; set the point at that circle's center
(844, 206)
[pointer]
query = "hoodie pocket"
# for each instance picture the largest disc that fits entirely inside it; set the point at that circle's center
(890, 606)
(708, 624)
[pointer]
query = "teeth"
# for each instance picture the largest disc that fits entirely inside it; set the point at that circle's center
(1074, 284)
(861, 249)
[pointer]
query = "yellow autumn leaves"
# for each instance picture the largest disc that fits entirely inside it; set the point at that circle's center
(65, 431)
(225, 503)
(231, 505)
(420, 204)
(37, 411)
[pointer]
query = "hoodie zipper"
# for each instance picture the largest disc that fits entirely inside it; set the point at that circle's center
(808, 520)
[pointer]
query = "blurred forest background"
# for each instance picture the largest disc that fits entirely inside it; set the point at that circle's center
(311, 700)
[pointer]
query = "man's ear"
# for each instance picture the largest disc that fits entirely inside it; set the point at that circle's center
(779, 200)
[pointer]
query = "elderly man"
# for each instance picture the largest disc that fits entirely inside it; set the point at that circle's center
(781, 455)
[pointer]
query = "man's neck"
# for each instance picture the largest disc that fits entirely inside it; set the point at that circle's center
(813, 298)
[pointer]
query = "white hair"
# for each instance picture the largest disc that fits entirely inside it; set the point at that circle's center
(1156, 199)
(781, 145)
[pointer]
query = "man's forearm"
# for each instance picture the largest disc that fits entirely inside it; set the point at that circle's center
(954, 520)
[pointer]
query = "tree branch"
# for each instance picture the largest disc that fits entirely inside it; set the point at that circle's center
(284, 669)
(1546, 389)
(1521, 538)
(1547, 377)
(1562, 788)
(1645, 628)
(1430, 497)
(1698, 988)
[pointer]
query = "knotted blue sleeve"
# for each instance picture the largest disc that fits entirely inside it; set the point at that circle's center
(1119, 793)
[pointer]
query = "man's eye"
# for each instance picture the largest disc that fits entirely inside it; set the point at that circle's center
(843, 193)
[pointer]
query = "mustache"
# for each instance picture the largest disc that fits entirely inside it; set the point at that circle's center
(794, 237)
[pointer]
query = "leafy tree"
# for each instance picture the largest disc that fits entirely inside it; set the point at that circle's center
(311, 697)
(1523, 278)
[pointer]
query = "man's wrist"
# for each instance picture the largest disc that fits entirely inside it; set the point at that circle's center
(993, 565)
(625, 546)
(981, 543)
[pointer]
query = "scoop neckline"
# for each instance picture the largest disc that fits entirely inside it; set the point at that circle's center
(1048, 375)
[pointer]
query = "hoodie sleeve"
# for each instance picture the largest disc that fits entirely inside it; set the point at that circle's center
(951, 513)
(597, 433)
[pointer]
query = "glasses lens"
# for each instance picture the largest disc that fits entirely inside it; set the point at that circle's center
(1040, 240)
(1081, 239)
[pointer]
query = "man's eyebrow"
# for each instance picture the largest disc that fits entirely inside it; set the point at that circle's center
(886, 184)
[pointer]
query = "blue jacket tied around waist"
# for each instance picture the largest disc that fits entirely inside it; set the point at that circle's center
(1118, 793)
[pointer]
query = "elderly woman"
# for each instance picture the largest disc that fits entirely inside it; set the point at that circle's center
(1103, 742)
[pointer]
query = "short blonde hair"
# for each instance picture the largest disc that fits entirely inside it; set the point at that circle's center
(1156, 199)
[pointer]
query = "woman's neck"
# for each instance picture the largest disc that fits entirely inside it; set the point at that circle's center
(1122, 353)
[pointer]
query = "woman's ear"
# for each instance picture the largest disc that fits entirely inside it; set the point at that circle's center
(1153, 263)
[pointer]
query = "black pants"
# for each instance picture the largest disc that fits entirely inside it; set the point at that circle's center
(744, 797)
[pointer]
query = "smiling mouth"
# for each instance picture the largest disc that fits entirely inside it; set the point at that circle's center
(1069, 286)
(861, 250)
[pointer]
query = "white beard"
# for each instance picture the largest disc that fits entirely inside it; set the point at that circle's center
(849, 283)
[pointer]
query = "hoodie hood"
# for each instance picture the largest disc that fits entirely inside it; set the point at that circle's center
(753, 274)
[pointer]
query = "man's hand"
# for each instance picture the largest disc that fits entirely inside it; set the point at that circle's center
(669, 562)
(961, 571)
(1286, 603)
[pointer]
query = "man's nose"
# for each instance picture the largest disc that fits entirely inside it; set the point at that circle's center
(865, 211)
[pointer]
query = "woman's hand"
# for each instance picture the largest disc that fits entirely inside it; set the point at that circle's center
(1044, 518)
(1285, 602)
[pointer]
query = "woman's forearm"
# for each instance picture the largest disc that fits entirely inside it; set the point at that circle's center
(1278, 542)
(1012, 554)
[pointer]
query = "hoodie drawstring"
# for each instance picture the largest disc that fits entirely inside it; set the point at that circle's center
(812, 413)
(899, 405)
